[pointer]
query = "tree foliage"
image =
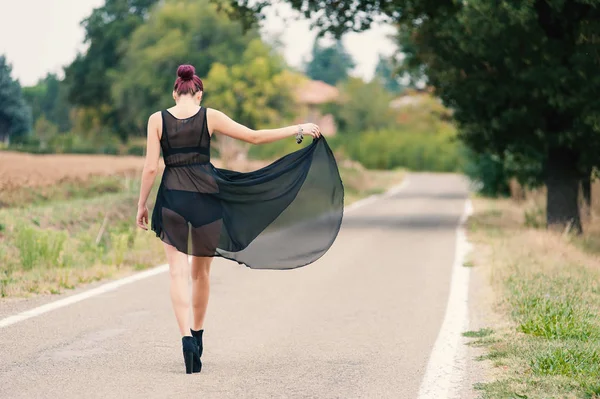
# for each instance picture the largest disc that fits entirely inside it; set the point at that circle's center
(91, 76)
(531, 68)
(256, 92)
(362, 107)
(48, 99)
(331, 64)
(106, 30)
(387, 72)
(15, 114)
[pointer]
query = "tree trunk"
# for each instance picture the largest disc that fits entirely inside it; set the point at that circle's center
(562, 183)
(586, 194)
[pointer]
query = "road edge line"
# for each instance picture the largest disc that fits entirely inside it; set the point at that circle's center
(113, 285)
(110, 286)
(445, 367)
(372, 198)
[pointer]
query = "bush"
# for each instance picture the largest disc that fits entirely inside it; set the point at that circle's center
(487, 172)
(389, 149)
(136, 149)
(69, 143)
(76, 144)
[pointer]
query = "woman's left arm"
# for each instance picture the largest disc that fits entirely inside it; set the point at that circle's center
(150, 168)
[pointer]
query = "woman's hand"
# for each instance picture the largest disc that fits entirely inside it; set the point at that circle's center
(142, 217)
(311, 129)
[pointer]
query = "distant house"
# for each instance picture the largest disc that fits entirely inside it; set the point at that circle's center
(411, 98)
(406, 101)
(310, 96)
(413, 103)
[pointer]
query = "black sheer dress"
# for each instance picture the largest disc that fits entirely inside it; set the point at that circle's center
(282, 216)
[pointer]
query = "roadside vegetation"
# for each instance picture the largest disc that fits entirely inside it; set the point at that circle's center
(57, 237)
(545, 340)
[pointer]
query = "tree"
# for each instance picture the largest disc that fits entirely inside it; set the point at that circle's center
(44, 131)
(533, 95)
(330, 64)
(387, 73)
(362, 107)
(15, 114)
(107, 29)
(256, 92)
(178, 32)
(48, 99)
(520, 76)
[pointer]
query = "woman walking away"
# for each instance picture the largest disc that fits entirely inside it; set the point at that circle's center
(282, 216)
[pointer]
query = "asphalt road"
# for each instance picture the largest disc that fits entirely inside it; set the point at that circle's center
(358, 323)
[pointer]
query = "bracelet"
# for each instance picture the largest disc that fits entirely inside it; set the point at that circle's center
(299, 136)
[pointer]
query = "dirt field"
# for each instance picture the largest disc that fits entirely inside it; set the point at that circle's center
(19, 170)
(27, 170)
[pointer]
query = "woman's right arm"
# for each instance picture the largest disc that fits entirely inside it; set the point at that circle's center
(219, 122)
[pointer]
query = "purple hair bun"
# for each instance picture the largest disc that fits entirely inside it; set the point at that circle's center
(186, 72)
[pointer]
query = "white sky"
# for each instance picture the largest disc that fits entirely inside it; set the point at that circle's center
(41, 36)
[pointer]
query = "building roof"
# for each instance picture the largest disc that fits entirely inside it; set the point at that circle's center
(407, 101)
(316, 92)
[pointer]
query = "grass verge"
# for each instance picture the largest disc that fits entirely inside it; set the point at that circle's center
(545, 342)
(58, 237)
(66, 190)
(52, 244)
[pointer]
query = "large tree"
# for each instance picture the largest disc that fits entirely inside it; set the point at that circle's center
(257, 92)
(15, 114)
(362, 107)
(387, 72)
(48, 99)
(331, 64)
(90, 75)
(521, 76)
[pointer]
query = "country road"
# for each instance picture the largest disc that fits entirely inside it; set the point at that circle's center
(359, 323)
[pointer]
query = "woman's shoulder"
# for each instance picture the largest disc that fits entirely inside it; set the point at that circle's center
(215, 113)
(155, 117)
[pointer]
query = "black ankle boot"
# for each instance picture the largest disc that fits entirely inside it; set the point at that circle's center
(190, 355)
(198, 336)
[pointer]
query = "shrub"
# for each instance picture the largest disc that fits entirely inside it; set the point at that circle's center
(389, 149)
(487, 172)
(40, 247)
(136, 150)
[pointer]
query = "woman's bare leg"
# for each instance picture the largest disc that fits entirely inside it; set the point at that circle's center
(179, 272)
(200, 289)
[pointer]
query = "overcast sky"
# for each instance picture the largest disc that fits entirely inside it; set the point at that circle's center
(41, 36)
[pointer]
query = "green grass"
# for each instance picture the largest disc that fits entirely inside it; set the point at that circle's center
(549, 293)
(40, 248)
(60, 243)
(90, 188)
(484, 332)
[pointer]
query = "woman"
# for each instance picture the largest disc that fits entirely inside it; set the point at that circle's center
(282, 216)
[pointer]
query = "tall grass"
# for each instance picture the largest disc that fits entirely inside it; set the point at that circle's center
(40, 247)
(546, 335)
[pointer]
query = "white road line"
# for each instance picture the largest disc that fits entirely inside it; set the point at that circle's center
(375, 197)
(113, 285)
(445, 368)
